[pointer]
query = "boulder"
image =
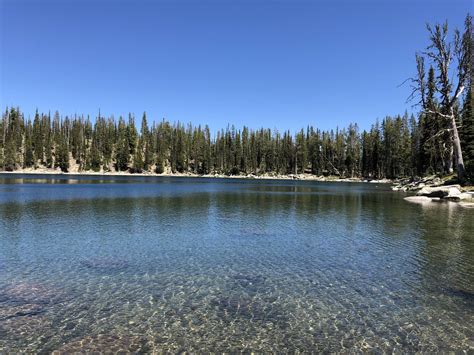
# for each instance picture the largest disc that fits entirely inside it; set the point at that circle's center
(449, 191)
(412, 187)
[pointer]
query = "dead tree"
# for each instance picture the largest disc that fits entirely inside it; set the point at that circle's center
(451, 60)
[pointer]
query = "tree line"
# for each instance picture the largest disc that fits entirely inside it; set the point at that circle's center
(437, 141)
(398, 146)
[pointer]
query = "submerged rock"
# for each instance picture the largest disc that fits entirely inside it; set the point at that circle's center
(235, 307)
(8, 311)
(27, 292)
(26, 328)
(22, 315)
(250, 284)
(104, 344)
(466, 294)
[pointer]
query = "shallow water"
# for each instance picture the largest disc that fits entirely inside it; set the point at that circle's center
(143, 264)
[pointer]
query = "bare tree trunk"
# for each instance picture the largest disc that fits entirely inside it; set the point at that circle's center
(449, 159)
(457, 148)
(296, 163)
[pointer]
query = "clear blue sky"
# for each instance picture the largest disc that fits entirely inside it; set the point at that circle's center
(277, 64)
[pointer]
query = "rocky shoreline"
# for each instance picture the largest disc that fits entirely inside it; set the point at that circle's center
(308, 177)
(435, 189)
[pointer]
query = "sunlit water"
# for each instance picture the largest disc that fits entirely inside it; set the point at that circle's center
(181, 264)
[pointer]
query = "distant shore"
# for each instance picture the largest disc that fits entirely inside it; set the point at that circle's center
(302, 177)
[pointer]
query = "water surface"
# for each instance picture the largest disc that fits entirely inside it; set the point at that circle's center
(143, 264)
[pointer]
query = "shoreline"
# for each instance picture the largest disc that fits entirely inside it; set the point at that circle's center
(298, 177)
(465, 198)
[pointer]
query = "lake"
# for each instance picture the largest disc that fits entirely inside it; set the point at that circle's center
(195, 264)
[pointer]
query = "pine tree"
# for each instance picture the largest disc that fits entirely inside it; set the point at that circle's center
(94, 162)
(48, 145)
(29, 158)
(132, 134)
(301, 152)
(467, 132)
(138, 163)
(9, 160)
(62, 155)
(366, 155)
(38, 139)
(415, 147)
(123, 147)
(159, 169)
(147, 143)
(353, 151)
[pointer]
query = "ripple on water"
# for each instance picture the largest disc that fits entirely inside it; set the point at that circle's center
(105, 343)
(23, 306)
(105, 264)
(30, 292)
(252, 233)
(9, 311)
(16, 333)
(248, 282)
(331, 270)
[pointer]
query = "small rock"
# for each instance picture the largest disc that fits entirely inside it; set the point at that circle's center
(437, 182)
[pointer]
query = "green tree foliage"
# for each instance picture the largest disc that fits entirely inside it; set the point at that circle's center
(62, 155)
(29, 157)
(37, 139)
(467, 132)
(431, 145)
(123, 146)
(138, 163)
(10, 156)
(93, 161)
(387, 150)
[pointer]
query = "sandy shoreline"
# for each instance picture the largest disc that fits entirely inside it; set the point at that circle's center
(303, 177)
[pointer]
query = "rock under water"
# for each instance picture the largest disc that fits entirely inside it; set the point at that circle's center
(104, 344)
(30, 292)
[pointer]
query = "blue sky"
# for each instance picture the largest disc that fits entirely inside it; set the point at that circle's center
(276, 64)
